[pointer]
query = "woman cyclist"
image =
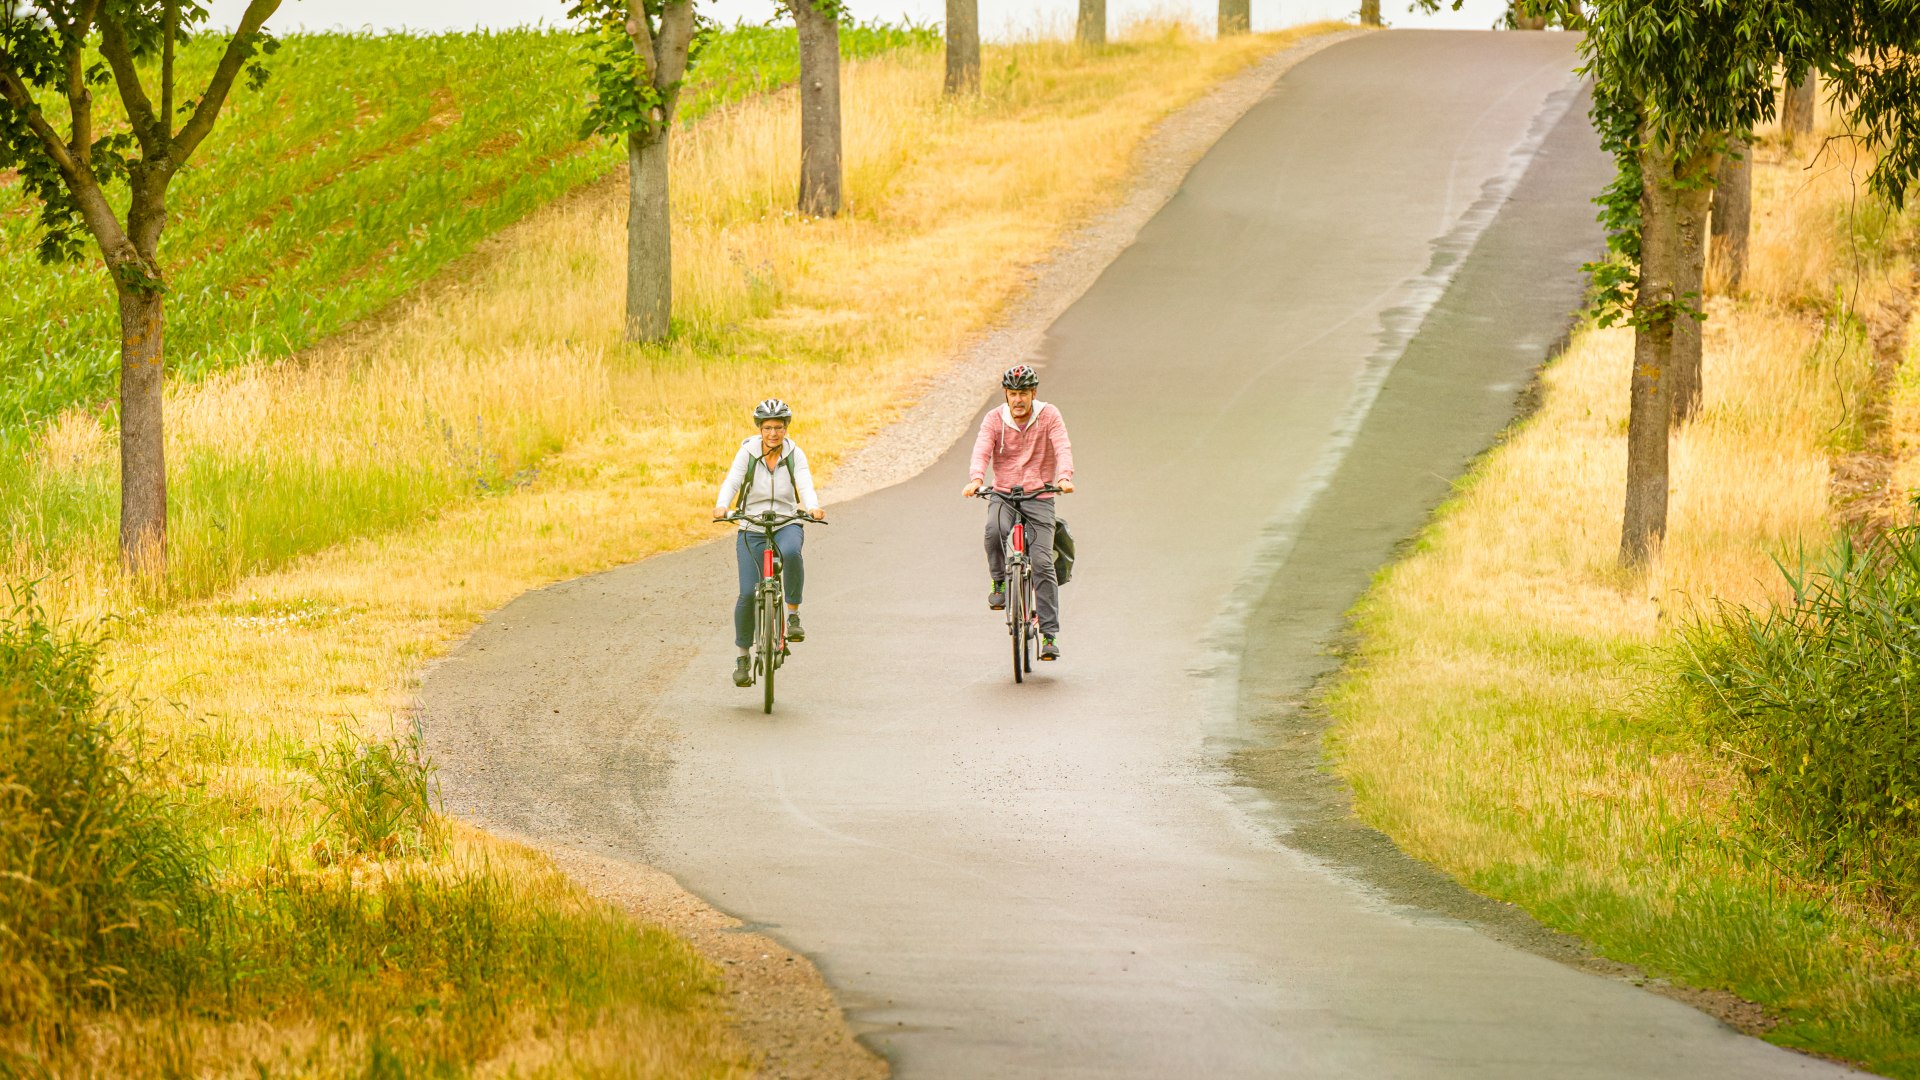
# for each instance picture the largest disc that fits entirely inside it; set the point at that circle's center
(769, 473)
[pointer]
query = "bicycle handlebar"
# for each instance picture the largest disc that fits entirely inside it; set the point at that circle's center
(1024, 496)
(774, 521)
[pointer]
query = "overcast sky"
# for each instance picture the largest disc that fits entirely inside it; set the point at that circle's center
(998, 18)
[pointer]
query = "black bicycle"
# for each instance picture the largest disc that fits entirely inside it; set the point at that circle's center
(1023, 600)
(769, 599)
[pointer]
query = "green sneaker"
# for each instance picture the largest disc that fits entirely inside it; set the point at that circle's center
(1048, 650)
(997, 599)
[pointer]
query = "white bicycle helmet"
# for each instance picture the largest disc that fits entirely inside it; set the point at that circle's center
(772, 409)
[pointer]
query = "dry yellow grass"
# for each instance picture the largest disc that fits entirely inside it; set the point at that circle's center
(1501, 718)
(596, 453)
(527, 1037)
(954, 203)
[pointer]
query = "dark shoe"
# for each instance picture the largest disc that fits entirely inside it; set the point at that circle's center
(997, 599)
(743, 672)
(794, 632)
(1048, 650)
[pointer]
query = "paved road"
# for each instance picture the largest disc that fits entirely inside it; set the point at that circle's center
(1058, 879)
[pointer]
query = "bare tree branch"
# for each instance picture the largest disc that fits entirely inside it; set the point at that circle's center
(235, 58)
(171, 31)
(676, 34)
(79, 94)
(113, 46)
(79, 103)
(92, 202)
(640, 32)
(18, 96)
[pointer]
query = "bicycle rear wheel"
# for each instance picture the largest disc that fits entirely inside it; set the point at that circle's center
(770, 640)
(1017, 619)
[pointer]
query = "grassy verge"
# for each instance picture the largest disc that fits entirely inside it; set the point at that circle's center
(342, 518)
(1509, 715)
(365, 164)
(387, 948)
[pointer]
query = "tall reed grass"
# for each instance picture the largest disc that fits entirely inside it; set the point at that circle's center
(1813, 700)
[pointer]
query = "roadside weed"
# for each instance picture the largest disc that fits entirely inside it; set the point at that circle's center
(375, 797)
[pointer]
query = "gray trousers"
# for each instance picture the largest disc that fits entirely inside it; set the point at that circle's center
(1039, 542)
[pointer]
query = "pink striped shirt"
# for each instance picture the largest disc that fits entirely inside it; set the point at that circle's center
(1030, 457)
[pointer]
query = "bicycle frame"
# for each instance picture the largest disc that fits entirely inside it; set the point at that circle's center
(1023, 608)
(770, 648)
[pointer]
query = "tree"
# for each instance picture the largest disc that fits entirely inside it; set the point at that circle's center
(47, 51)
(1236, 17)
(1674, 82)
(1522, 16)
(1369, 12)
(1796, 110)
(963, 46)
(1733, 211)
(818, 23)
(1671, 78)
(1092, 27)
(641, 52)
(1692, 187)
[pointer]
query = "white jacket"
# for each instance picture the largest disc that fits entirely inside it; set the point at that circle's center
(772, 489)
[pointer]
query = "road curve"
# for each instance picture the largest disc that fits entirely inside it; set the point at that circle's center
(1059, 879)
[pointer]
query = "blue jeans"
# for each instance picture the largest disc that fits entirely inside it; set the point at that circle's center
(786, 540)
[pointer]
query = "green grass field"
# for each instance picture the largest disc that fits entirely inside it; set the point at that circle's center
(365, 164)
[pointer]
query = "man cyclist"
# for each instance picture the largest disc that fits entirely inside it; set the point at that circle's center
(769, 473)
(1024, 443)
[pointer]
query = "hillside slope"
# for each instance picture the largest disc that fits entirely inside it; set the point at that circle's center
(365, 165)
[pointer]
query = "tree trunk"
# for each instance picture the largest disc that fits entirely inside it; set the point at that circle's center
(819, 109)
(1236, 17)
(1796, 108)
(963, 46)
(143, 444)
(1733, 211)
(1369, 12)
(649, 240)
(1691, 202)
(1092, 29)
(1650, 410)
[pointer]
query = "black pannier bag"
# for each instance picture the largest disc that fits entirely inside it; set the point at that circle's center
(1062, 550)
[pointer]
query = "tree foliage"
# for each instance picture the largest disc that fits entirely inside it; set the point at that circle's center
(641, 51)
(1565, 14)
(53, 49)
(68, 49)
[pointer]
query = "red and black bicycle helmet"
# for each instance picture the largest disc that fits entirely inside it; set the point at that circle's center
(1020, 377)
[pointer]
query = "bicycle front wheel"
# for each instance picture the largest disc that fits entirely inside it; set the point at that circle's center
(1030, 629)
(1017, 619)
(770, 642)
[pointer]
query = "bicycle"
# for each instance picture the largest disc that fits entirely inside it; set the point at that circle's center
(1023, 601)
(769, 599)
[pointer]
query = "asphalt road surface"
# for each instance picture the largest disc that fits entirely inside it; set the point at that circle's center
(1061, 879)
